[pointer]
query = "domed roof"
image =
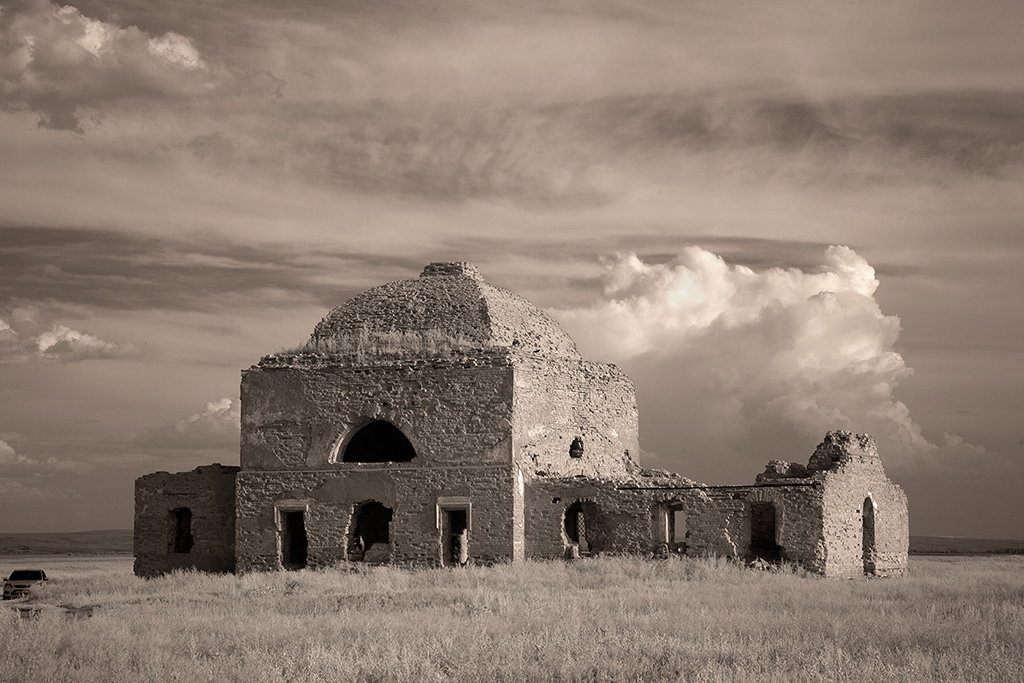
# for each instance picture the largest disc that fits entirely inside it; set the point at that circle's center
(449, 306)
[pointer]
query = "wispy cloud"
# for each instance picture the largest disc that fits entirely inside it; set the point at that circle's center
(216, 426)
(13, 463)
(30, 335)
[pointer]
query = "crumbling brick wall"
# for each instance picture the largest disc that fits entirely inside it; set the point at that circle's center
(297, 409)
(848, 487)
(573, 418)
(329, 499)
(208, 494)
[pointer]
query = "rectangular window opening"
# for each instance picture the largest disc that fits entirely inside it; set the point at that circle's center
(181, 531)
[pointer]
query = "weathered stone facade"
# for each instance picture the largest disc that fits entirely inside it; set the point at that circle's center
(185, 521)
(439, 417)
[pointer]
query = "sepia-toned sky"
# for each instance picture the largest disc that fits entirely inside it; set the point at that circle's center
(780, 217)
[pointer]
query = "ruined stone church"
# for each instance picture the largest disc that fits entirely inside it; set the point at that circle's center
(441, 420)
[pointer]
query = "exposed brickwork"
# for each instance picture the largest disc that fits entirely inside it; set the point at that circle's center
(557, 402)
(453, 410)
(513, 436)
(209, 495)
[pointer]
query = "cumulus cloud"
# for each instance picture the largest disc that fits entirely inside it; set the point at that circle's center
(58, 62)
(216, 426)
(758, 361)
(31, 335)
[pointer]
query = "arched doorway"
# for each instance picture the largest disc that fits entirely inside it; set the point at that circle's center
(379, 441)
(868, 539)
(581, 525)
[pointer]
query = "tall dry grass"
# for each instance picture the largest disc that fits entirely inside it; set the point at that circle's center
(607, 619)
(371, 345)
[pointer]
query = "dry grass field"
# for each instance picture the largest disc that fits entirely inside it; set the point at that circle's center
(607, 619)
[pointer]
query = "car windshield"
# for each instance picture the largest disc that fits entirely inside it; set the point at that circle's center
(27, 575)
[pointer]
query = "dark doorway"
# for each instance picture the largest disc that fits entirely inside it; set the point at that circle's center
(454, 537)
(763, 532)
(379, 441)
(294, 545)
(372, 526)
(868, 540)
(181, 531)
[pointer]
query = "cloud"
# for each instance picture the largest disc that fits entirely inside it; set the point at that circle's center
(12, 462)
(758, 362)
(32, 336)
(216, 426)
(58, 62)
(596, 150)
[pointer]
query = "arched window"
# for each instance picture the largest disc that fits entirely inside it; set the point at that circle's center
(379, 441)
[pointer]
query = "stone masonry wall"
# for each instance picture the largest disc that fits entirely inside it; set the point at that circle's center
(623, 517)
(413, 493)
(297, 410)
(846, 488)
(560, 402)
(209, 494)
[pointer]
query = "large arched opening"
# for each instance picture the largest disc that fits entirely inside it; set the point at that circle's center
(379, 441)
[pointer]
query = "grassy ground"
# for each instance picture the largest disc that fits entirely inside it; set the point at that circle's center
(119, 541)
(609, 619)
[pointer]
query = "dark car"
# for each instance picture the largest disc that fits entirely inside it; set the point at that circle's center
(20, 580)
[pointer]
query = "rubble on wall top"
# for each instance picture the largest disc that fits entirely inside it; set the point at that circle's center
(842, 445)
(781, 469)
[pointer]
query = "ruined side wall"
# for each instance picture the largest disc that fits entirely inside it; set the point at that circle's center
(628, 516)
(846, 487)
(329, 498)
(454, 410)
(209, 493)
(615, 523)
(559, 401)
(798, 521)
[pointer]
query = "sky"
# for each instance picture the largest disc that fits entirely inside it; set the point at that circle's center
(779, 217)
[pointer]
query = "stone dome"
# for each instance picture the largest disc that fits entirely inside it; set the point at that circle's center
(449, 306)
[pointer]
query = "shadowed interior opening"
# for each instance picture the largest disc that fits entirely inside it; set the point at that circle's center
(294, 545)
(181, 531)
(379, 441)
(762, 532)
(868, 541)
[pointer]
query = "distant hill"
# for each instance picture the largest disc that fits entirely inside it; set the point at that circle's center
(949, 545)
(114, 542)
(119, 542)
